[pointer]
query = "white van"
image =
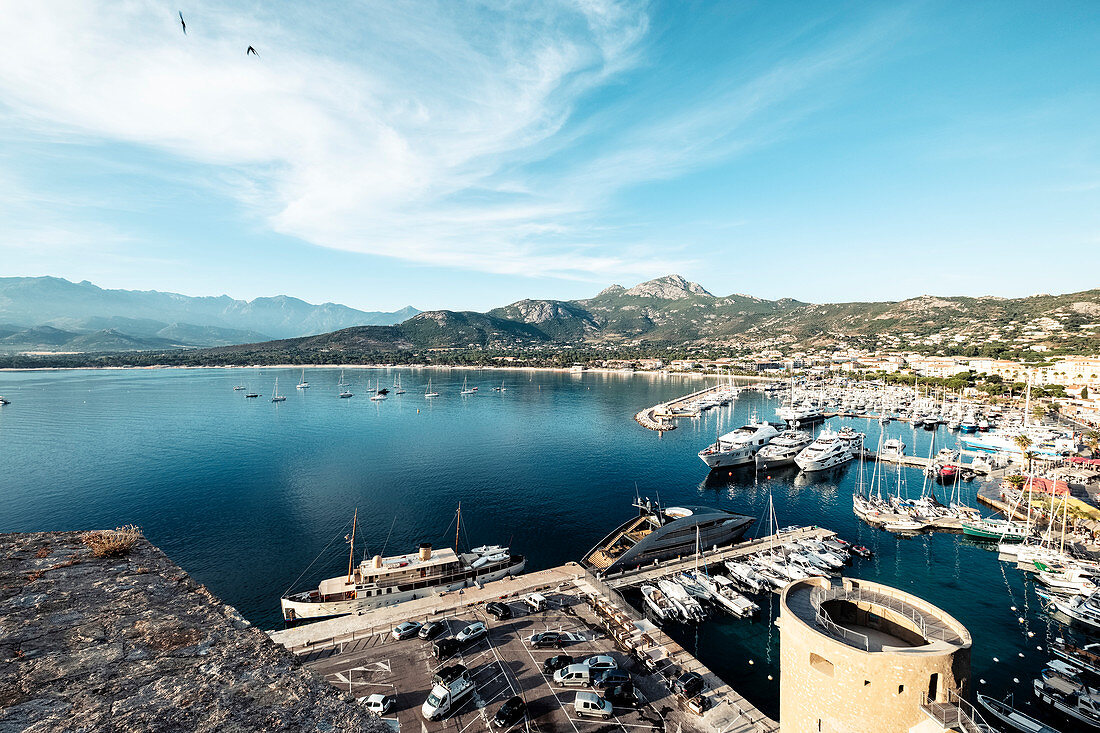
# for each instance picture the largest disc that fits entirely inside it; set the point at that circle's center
(536, 601)
(444, 699)
(575, 675)
(589, 703)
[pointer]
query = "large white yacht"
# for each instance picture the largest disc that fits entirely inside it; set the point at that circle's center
(738, 447)
(385, 581)
(783, 448)
(804, 413)
(830, 449)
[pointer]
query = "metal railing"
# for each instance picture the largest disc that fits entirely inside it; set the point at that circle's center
(955, 712)
(884, 600)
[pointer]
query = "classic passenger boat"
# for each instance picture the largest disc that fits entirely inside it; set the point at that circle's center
(385, 581)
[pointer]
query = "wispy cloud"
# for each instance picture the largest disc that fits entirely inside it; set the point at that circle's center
(403, 130)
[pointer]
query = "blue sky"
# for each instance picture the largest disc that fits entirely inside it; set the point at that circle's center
(465, 155)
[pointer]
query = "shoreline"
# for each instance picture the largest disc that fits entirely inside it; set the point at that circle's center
(560, 370)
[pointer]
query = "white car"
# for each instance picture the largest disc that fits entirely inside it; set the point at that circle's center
(600, 662)
(472, 632)
(379, 704)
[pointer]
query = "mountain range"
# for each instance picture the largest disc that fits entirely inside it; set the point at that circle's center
(672, 312)
(667, 312)
(56, 315)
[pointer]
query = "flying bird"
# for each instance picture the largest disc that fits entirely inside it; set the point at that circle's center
(183, 23)
(251, 51)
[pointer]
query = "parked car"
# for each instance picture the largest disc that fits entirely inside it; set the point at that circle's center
(545, 639)
(591, 704)
(536, 601)
(624, 695)
(406, 630)
(432, 629)
(610, 678)
(500, 610)
(380, 704)
(473, 632)
(450, 673)
(601, 662)
(510, 713)
(446, 647)
(556, 662)
(689, 684)
(575, 675)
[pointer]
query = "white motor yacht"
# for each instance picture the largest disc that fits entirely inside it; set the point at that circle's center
(783, 448)
(893, 448)
(738, 447)
(827, 451)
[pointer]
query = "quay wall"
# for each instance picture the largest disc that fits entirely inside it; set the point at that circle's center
(133, 643)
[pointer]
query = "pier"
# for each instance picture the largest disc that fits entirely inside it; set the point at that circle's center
(660, 417)
(714, 556)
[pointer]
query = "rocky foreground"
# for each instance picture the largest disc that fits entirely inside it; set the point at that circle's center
(133, 643)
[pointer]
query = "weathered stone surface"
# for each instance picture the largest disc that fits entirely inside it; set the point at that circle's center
(133, 643)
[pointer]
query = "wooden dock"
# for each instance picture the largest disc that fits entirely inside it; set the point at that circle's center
(711, 557)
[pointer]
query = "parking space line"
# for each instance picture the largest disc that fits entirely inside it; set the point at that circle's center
(553, 692)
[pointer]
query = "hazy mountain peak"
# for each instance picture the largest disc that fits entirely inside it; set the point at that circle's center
(611, 290)
(669, 287)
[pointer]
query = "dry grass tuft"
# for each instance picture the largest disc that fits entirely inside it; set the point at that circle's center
(112, 542)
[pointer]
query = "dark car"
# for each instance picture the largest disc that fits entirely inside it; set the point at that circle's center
(510, 713)
(553, 664)
(450, 673)
(610, 678)
(432, 629)
(689, 684)
(624, 695)
(446, 647)
(499, 610)
(545, 639)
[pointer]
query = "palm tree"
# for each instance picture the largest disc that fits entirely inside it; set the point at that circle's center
(1024, 444)
(1092, 437)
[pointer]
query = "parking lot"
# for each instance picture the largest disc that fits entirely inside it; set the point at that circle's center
(501, 665)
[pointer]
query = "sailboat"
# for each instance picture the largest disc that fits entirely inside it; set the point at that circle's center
(429, 392)
(276, 397)
(378, 395)
(500, 388)
(464, 388)
(344, 391)
(397, 388)
(302, 383)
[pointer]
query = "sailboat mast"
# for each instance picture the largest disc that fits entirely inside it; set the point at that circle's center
(351, 551)
(458, 525)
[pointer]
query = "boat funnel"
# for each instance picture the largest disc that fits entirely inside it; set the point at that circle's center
(376, 562)
(425, 551)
